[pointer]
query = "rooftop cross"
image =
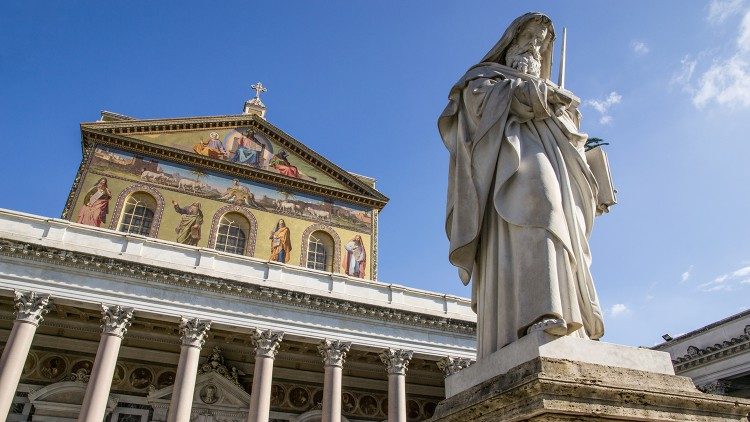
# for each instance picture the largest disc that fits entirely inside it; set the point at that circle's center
(258, 87)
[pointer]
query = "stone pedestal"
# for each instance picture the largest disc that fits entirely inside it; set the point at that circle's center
(569, 379)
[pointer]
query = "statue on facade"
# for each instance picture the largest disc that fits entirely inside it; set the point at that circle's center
(521, 196)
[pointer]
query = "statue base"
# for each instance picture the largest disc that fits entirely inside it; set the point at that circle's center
(542, 378)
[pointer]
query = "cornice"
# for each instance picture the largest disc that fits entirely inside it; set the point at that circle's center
(699, 356)
(121, 129)
(199, 282)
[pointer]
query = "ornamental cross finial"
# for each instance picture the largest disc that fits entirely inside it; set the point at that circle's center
(258, 87)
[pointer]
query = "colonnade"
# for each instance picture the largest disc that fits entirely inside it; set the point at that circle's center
(32, 306)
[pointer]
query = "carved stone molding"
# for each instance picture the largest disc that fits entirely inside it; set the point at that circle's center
(194, 331)
(450, 365)
(334, 351)
(217, 363)
(698, 356)
(116, 320)
(31, 306)
(396, 360)
(719, 387)
(200, 282)
(267, 342)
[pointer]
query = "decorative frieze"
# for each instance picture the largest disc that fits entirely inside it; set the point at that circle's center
(194, 331)
(116, 320)
(154, 274)
(333, 351)
(217, 363)
(396, 360)
(698, 356)
(31, 306)
(450, 365)
(267, 342)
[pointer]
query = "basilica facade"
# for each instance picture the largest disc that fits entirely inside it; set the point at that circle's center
(215, 269)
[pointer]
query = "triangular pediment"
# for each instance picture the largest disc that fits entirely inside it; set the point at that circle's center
(211, 389)
(245, 145)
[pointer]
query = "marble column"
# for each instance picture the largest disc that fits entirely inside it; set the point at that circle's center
(30, 307)
(194, 332)
(333, 352)
(266, 346)
(396, 361)
(115, 323)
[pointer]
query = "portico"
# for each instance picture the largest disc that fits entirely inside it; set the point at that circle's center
(267, 320)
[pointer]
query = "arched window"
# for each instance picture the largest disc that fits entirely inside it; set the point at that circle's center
(232, 233)
(138, 214)
(320, 251)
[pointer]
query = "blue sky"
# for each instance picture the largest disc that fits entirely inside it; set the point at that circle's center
(667, 83)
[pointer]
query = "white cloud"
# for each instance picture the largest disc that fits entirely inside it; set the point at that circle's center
(602, 106)
(726, 81)
(743, 40)
(720, 10)
(618, 309)
(686, 275)
(727, 282)
(640, 48)
(684, 76)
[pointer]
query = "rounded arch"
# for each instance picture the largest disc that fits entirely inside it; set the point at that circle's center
(138, 187)
(216, 220)
(336, 245)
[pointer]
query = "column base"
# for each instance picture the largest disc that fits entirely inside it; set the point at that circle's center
(552, 388)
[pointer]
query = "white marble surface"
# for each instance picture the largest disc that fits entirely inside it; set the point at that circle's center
(69, 284)
(541, 344)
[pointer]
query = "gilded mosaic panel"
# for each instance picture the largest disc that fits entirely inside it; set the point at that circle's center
(244, 146)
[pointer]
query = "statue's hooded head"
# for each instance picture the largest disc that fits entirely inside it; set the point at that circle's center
(526, 45)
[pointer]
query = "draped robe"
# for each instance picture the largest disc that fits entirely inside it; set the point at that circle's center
(521, 203)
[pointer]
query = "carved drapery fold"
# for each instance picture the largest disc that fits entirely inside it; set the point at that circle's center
(396, 360)
(31, 306)
(116, 320)
(194, 331)
(334, 351)
(267, 342)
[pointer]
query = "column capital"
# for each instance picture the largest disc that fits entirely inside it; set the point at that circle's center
(267, 342)
(396, 360)
(194, 331)
(31, 306)
(116, 320)
(333, 351)
(450, 364)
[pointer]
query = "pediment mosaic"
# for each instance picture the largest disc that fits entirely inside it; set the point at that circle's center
(124, 165)
(247, 146)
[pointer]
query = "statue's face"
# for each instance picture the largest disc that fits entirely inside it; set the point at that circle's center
(532, 36)
(524, 53)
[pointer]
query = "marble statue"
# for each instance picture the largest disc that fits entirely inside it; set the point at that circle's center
(521, 196)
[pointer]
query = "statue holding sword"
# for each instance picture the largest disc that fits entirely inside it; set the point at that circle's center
(521, 195)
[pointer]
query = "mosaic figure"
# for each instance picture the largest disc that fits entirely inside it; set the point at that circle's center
(95, 204)
(211, 147)
(189, 228)
(281, 243)
(356, 257)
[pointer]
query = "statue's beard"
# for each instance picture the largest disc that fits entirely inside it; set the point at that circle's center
(525, 59)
